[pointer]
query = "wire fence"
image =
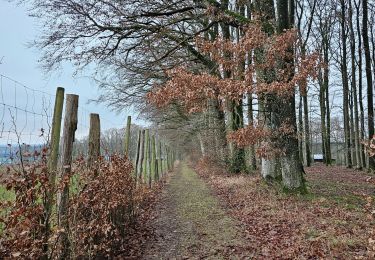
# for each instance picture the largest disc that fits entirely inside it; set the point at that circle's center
(26, 120)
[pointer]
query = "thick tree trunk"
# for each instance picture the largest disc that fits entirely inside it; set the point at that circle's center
(235, 112)
(217, 140)
(270, 167)
(292, 169)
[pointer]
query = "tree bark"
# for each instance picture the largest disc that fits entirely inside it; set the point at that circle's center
(354, 89)
(370, 101)
(301, 131)
(360, 84)
(306, 130)
(292, 168)
(270, 167)
(345, 82)
(234, 110)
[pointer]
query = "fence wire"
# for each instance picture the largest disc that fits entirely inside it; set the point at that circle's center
(26, 120)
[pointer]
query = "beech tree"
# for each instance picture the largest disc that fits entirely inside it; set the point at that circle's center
(278, 60)
(247, 58)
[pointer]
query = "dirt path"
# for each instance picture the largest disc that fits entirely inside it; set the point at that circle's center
(191, 224)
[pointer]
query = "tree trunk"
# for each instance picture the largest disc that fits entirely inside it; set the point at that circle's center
(306, 130)
(323, 110)
(271, 168)
(345, 82)
(300, 130)
(327, 141)
(328, 113)
(292, 169)
(354, 89)
(250, 110)
(360, 86)
(235, 112)
(370, 101)
(250, 117)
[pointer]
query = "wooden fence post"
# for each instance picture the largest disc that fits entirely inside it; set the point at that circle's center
(153, 162)
(55, 134)
(141, 155)
(127, 137)
(136, 162)
(168, 159)
(70, 126)
(165, 159)
(53, 158)
(174, 158)
(94, 142)
(160, 160)
(147, 155)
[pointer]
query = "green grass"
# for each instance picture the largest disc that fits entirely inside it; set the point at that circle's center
(200, 215)
(5, 195)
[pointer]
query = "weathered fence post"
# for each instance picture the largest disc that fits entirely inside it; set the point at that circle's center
(168, 158)
(94, 142)
(127, 137)
(53, 158)
(165, 158)
(147, 156)
(174, 157)
(153, 162)
(136, 161)
(160, 166)
(70, 126)
(141, 155)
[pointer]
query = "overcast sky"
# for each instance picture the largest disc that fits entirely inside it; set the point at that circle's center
(20, 63)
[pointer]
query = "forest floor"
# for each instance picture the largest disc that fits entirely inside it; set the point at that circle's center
(221, 216)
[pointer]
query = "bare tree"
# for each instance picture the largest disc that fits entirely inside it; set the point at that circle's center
(370, 101)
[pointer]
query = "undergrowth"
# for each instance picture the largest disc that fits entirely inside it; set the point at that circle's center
(103, 207)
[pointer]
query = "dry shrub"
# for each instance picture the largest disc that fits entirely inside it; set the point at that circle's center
(23, 218)
(103, 209)
(103, 206)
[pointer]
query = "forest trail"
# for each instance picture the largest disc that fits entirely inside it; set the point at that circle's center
(191, 224)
